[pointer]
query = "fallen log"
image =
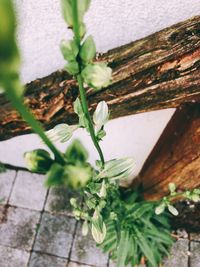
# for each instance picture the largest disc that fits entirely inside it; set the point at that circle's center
(156, 72)
(176, 156)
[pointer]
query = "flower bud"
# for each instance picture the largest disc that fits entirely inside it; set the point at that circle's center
(97, 75)
(172, 187)
(195, 197)
(77, 175)
(101, 115)
(73, 202)
(67, 12)
(69, 49)
(38, 161)
(88, 50)
(72, 67)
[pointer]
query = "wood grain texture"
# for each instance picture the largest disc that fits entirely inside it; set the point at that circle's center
(176, 156)
(156, 72)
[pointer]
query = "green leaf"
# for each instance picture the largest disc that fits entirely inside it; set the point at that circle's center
(160, 209)
(88, 50)
(55, 176)
(83, 6)
(85, 228)
(79, 111)
(76, 152)
(72, 67)
(69, 50)
(145, 248)
(103, 193)
(101, 134)
(82, 29)
(97, 220)
(172, 210)
(117, 169)
(98, 235)
(123, 249)
(61, 132)
(67, 11)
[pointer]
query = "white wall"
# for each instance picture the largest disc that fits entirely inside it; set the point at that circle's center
(112, 23)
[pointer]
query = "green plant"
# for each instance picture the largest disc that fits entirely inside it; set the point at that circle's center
(120, 220)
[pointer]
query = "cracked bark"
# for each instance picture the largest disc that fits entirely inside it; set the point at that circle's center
(156, 72)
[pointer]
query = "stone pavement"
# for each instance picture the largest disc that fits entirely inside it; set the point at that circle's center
(37, 229)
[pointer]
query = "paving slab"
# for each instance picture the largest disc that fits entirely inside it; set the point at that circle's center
(10, 257)
(28, 191)
(58, 200)
(178, 255)
(195, 254)
(85, 251)
(195, 237)
(55, 235)
(18, 227)
(6, 183)
(44, 260)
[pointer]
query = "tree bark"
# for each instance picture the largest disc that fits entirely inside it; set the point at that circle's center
(176, 156)
(156, 72)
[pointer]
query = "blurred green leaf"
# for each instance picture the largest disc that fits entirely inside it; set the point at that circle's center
(61, 132)
(55, 176)
(76, 152)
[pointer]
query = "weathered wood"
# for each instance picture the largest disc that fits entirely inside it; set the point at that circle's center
(156, 72)
(176, 156)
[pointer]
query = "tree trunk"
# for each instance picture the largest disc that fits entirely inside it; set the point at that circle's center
(156, 72)
(176, 156)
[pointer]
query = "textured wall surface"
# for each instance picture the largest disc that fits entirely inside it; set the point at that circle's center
(112, 23)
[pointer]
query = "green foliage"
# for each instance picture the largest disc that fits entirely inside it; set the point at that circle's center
(75, 173)
(167, 201)
(125, 225)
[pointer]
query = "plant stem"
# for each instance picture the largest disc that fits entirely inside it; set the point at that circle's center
(80, 83)
(87, 114)
(28, 117)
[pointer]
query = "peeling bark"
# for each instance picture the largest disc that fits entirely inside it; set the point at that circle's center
(156, 72)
